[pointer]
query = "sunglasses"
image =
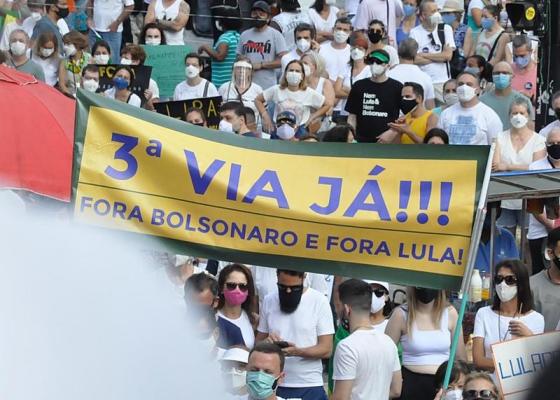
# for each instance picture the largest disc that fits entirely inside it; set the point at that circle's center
(232, 286)
(284, 288)
(379, 292)
(479, 395)
(510, 280)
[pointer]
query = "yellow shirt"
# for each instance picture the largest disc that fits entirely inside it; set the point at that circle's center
(418, 125)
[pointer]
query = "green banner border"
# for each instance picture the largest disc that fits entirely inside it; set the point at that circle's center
(85, 100)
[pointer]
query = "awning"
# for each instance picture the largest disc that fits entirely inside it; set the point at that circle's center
(524, 185)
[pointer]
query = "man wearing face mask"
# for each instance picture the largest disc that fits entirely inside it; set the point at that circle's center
(470, 121)
(336, 52)
(366, 363)
(435, 46)
(299, 319)
(546, 284)
(374, 103)
(19, 42)
(194, 87)
(56, 10)
(90, 78)
(289, 18)
(387, 11)
(263, 45)
(233, 120)
(286, 124)
(524, 68)
(265, 371)
(304, 36)
(500, 98)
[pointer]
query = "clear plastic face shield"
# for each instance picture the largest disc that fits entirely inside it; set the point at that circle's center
(242, 75)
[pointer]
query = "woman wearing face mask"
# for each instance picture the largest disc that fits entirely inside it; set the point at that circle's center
(516, 149)
(234, 371)
(449, 96)
(480, 386)
(235, 307)
(478, 66)
(410, 20)
(377, 36)
(424, 326)
(314, 68)
(122, 82)
(292, 94)
(355, 70)
(76, 58)
(491, 41)
(45, 54)
(323, 15)
(510, 316)
(152, 35)
(241, 86)
(454, 391)
(101, 52)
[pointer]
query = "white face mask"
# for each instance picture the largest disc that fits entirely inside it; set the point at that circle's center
(126, 61)
(237, 378)
(153, 41)
(192, 71)
(225, 126)
(303, 45)
(341, 36)
(465, 93)
(519, 121)
(46, 52)
(91, 85)
(293, 78)
(18, 48)
(69, 50)
(450, 98)
(436, 19)
(505, 292)
(377, 303)
(285, 132)
(377, 69)
(357, 54)
(330, 2)
(307, 70)
(455, 394)
(36, 16)
(102, 59)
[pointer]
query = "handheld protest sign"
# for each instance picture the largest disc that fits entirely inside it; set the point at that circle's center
(210, 107)
(140, 79)
(393, 212)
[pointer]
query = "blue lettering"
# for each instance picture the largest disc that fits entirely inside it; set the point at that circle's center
(215, 227)
(237, 230)
(258, 189)
(188, 226)
(136, 213)
(170, 219)
(123, 153)
(85, 202)
(370, 188)
(364, 248)
(502, 372)
(332, 241)
(155, 149)
(201, 182)
(352, 245)
(415, 254)
(255, 234)
(204, 224)
(119, 209)
(334, 198)
(383, 248)
(402, 253)
(271, 236)
(448, 256)
(286, 236)
(157, 217)
(233, 183)
(311, 241)
(98, 210)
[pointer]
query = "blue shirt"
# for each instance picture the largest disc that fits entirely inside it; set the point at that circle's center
(504, 249)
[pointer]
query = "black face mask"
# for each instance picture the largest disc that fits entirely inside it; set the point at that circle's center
(289, 302)
(426, 295)
(62, 12)
(553, 151)
(407, 105)
(557, 112)
(375, 36)
(259, 23)
(198, 123)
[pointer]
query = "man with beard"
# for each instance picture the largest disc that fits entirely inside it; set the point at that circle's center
(299, 320)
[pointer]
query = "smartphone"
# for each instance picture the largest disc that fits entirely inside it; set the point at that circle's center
(282, 344)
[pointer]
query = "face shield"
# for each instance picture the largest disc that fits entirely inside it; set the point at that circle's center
(242, 75)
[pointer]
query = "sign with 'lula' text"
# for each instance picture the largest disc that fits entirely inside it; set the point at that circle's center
(401, 213)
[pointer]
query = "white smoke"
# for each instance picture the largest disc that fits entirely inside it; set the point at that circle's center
(83, 315)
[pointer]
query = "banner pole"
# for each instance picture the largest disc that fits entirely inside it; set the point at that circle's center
(473, 248)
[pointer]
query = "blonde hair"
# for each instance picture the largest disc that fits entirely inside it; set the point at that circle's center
(317, 60)
(284, 81)
(440, 303)
(473, 376)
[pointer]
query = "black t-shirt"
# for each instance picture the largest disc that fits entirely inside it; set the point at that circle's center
(375, 105)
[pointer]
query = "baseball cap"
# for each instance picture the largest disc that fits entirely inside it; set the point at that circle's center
(451, 6)
(381, 283)
(286, 116)
(380, 55)
(261, 5)
(236, 354)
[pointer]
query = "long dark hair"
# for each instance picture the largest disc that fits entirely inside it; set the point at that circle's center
(248, 304)
(151, 25)
(319, 5)
(524, 295)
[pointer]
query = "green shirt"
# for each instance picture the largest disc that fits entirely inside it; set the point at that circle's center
(501, 104)
(222, 70)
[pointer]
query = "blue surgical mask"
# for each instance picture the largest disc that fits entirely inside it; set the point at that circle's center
(260, 385)
(487, 23)
(120, 83)
(501, 81)
(408, 9)
(522, 61)
(473, 70)
(448, 18)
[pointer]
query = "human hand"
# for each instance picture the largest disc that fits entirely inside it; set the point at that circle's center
(291, 350)
(388, 136)
(399, 127)
(114, 26)
(148, 94)
(439, 395)
(267, 124)
(518, 328)
(90, 23)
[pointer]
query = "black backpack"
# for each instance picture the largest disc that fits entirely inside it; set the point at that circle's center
(458, 61)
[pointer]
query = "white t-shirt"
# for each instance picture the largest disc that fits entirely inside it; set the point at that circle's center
(494, 328)
(509, 155)
(369, 358)
(323, 25)
(312, 318)
(288, 20)
(474, 125)
(107, 11)
(184, 91)
(321, 283)
(345, 75)
(154, 88)
(133, 100)
(287, 58)
(412, 73)
(50, 68)
(299, 102)
(381, 326)
(393, 56)
(377, 9)
(546, 130)
(536, 229)
(229, 93)
(335, 59)
(244, 326)
(436, 70)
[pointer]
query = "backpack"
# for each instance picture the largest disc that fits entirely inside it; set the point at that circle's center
(458, 61)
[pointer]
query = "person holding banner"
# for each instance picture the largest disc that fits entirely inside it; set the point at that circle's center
(424, 326)
(241, 86)
(137, 56)
(511, 315)
(122, 82)
(194, 87)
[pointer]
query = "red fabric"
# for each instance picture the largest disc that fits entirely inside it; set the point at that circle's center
(36, 136)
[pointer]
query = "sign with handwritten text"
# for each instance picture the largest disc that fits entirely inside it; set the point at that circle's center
(168, 66)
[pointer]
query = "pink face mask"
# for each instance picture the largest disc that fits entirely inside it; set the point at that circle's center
(235, 297)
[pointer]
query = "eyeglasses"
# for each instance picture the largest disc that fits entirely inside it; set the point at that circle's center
(232, 286)
(437, 47)
(380, 292)
(510, 280)
(285, 288)
(479, 395)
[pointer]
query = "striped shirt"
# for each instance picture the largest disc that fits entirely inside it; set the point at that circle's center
(222, 70)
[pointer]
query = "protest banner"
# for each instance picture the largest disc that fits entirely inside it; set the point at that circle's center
(394, 212)
(168, 66)
(210, 106)
(141, 78)
(519, 362)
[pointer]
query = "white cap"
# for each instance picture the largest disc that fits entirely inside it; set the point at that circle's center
(236, 354)
(381, 283)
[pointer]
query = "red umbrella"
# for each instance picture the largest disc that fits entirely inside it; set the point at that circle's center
(36, 136)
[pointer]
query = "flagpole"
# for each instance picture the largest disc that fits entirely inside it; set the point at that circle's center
(473, 248)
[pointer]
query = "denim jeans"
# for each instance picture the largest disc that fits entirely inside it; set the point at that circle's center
(113, 38)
